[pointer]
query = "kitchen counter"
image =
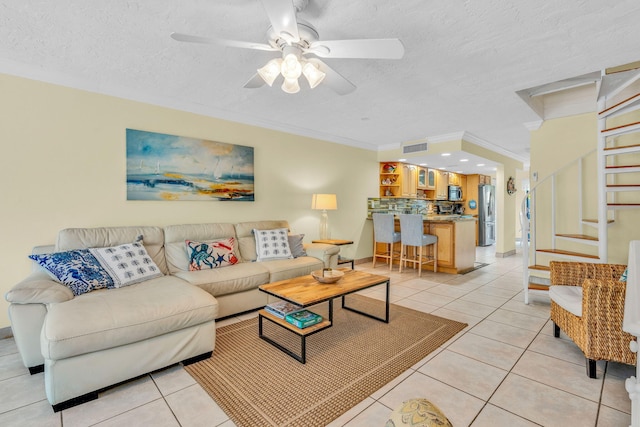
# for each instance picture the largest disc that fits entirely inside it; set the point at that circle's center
(456, 241)
(442, 217)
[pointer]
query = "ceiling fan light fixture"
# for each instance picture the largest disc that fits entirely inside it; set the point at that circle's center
(291, 86)
(270, 71)
(313, 74)
(291, 67)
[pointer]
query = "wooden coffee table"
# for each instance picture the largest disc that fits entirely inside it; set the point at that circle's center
(305, 291)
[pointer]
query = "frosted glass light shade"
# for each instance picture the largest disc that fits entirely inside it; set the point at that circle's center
(313, 74)
(270, 71)
(291, 86)
(291, 67)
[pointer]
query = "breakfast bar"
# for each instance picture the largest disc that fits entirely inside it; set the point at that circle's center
(456, 235)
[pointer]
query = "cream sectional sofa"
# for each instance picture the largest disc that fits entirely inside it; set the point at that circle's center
(88, 342)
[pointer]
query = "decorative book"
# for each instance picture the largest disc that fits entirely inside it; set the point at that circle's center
(303, 318)
(282, 308)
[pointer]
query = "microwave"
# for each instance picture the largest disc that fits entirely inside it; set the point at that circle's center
(455, 193)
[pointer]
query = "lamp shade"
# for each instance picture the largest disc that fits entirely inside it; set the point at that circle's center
(324, 202)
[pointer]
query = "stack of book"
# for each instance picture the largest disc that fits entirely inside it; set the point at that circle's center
(293, 314)
(303, 318)
(282, 308)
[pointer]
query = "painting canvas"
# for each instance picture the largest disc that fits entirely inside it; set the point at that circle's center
(169, 167)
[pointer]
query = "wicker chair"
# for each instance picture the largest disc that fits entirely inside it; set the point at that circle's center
(591, 316)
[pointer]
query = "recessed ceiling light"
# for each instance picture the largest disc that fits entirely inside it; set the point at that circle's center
(458, 171)
(441, 168)
(464, 160)
(423, 164)
(480, 164)
(402, 160)
(445, 154)
(495, 169)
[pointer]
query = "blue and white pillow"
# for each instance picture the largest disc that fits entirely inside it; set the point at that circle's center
(623, 278)
(79, 270)
(272, 244)
(127, 264)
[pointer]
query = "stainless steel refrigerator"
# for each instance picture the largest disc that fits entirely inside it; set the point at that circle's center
(486, 215)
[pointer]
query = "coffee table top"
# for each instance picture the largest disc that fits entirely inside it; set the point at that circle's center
(305, 290)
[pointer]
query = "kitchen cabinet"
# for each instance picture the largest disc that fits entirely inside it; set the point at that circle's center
(431, 179)
(422, 178)
(390, 179)
(454, 179)
(409, 180)
(442, 185)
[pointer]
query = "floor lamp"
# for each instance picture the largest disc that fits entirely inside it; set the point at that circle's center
(324, 202)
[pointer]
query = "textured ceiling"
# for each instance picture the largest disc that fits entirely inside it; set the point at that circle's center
(464, 60)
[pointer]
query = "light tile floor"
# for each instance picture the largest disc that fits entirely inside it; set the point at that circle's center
(504, 369)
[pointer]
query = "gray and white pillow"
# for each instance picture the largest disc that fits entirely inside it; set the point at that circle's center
(127, 264)
(272, 244)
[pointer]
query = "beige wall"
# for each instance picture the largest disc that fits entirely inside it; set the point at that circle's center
(62, 164)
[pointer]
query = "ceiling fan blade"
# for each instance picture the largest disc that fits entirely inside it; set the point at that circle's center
(333, 79)
(282, 15)
(222, 42)
(254, 82)
(364, 48)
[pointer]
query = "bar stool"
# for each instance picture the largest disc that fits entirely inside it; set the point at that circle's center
(411, 227)
(384, 232)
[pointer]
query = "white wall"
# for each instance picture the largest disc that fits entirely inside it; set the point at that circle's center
(62, 164)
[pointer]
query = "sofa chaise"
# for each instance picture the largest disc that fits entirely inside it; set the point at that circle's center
(87, 342)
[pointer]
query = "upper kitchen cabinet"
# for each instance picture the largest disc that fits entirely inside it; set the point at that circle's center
(442, 185)
(454, 179)
(390, 179)
(409, 180)
(426, 178)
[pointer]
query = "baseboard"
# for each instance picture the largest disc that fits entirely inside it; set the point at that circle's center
(6, 332)
(505, 254)
(363, 260)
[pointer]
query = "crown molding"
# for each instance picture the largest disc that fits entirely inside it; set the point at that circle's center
(535, 125)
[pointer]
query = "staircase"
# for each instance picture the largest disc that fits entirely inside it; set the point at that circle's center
(617, 161)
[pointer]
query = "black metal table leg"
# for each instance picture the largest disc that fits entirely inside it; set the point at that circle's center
(384, 319)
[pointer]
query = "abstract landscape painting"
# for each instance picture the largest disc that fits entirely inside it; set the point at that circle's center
(169, 167)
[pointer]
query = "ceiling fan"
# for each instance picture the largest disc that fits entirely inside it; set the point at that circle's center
(295, 39)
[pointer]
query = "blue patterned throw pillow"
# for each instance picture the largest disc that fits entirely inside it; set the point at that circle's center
(79, 270)
(272, 244)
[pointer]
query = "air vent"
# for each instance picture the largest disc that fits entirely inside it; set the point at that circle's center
(414, 148)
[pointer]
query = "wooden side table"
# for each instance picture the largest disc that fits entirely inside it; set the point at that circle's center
(338, 242)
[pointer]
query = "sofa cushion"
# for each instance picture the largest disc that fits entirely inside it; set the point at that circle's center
(272, 244)
(176, 235)
(211, 254)
(246, 240)
(79, 270)
(221, 281)
(127, 264)
(113, 317)
(84, 238)
(289, 268)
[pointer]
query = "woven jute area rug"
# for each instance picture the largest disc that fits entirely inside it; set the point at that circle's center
(258, 385)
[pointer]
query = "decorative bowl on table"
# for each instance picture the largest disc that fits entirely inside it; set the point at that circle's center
(329, 276)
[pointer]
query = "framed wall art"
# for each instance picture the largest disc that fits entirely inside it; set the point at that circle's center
(178, 168)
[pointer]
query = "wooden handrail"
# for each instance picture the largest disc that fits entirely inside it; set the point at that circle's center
(619, 103)
(620, 127)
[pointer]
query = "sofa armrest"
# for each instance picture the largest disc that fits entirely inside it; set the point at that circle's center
(38, 288)
(574, 273)
(328, 254)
